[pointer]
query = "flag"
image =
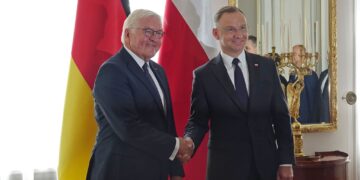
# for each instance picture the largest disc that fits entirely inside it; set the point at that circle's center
(96, 37)
(187, 44)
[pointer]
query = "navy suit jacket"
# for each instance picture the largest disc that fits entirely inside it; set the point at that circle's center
(136, 137)
(308, 98)
(240, 136)
(324, 98)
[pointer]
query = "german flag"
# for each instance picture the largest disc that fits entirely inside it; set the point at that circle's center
(97, 36)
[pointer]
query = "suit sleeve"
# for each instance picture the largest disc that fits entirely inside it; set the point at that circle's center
(282, 122)
(113, 94)
(198, 124)
(176, 167)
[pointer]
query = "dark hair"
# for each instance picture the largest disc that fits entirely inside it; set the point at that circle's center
(252, 39)
(226, 9)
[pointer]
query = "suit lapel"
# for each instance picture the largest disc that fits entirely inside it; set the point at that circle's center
(139, 73)
(162, 81)
(160, 78)
(219, 70)
(253, 67)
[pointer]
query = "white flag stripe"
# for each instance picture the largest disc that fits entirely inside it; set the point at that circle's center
(199, 15)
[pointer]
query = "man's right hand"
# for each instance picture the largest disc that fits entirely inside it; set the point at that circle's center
(186, 149)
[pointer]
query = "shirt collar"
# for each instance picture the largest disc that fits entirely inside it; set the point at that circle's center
(228, 59)
(137, 59)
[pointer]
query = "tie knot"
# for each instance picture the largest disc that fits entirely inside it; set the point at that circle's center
(145, 67)
(236, 61)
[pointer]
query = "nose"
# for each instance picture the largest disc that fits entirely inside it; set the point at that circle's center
(154, 39)
(240, 34)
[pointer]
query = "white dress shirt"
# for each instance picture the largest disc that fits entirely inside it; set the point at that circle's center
(230, 68)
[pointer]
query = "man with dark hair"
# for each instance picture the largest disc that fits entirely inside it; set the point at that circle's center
(251, 44)
(240, 94)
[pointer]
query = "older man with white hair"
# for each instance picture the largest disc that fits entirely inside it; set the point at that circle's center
(136, 138)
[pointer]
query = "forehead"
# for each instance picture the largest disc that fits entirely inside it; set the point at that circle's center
(232, 19)
(150, 22)
(297, 49)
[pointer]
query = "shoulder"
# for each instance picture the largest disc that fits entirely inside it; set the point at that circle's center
(114, 65)
(114, 60)
(260, 59)
(324, 73)
(265, 64)
(202, 68)
(207, 65)
(314, 75)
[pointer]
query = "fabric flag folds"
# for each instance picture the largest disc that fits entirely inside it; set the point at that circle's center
(187, 44)
(97, 36)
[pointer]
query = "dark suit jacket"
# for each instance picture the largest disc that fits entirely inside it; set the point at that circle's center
(135, 137)
(240, 136)
(308, 98)
(284, 83)
(324, 107)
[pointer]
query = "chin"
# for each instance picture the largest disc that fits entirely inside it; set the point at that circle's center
(238, 49)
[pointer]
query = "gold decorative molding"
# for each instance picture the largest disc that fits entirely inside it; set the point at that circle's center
(326, 127)
(233, 3)
(332, 67)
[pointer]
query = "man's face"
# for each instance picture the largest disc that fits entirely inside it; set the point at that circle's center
(298, 56)
(232, 33)
(144, 39)
(250, 47)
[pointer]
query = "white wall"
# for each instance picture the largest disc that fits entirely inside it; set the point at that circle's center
(35, 46)
(249, 8)
(343, 138)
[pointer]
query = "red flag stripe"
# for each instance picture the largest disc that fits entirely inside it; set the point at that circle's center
(188, 43)
(180, 54)
(97, 34)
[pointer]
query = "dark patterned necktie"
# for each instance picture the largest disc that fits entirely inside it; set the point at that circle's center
(147, 74)
(240, 86)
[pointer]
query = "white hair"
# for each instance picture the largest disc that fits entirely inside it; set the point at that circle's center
(134, 17)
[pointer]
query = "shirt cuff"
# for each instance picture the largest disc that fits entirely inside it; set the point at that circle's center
(176, 149)
(288, 165)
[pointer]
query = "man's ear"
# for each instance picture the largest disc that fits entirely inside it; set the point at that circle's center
(127, 33)
(215, 33)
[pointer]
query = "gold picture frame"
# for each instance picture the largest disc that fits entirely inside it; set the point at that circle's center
(332, 67)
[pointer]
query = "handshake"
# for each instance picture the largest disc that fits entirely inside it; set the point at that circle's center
(186, 149)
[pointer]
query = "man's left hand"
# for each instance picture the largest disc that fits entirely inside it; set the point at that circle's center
(285, 173)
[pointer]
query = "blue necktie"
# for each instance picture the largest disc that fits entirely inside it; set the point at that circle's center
(240, 85)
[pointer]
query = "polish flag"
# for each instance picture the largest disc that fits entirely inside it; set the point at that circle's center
(187, 44)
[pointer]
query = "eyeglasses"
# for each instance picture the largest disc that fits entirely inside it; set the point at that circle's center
(150, 32)
(232, 30)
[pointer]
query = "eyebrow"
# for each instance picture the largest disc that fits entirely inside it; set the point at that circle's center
(145, 27)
